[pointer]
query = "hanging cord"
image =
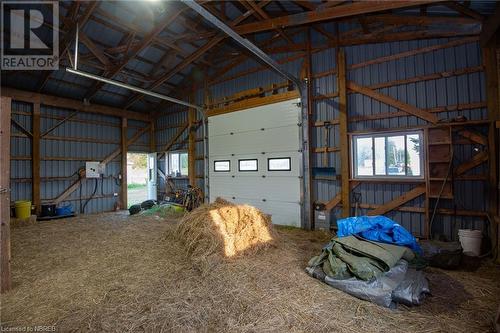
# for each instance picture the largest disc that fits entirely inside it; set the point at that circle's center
(441, 191)
(82, 209)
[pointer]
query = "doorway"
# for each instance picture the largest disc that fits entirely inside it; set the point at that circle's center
(141, 178)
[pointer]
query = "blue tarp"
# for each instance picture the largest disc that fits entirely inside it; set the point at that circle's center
(378, 228)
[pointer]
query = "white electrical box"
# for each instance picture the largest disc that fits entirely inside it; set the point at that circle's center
(94, 169)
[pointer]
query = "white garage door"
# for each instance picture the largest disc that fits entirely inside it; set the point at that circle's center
(255, 159)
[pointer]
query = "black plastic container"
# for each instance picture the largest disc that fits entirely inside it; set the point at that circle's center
(48, 210)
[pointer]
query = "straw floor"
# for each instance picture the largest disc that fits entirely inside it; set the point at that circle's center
(115, 273)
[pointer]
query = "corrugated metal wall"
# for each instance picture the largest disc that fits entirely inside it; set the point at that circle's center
(167, 126)
(85, 137)
(446, 91)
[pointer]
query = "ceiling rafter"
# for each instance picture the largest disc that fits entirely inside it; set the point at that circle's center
(195, 55)
(68, 38)
(146, 41)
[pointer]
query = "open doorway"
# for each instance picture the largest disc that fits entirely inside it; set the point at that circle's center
(137, 178)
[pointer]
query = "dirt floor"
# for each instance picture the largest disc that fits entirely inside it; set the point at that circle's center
(112, 272)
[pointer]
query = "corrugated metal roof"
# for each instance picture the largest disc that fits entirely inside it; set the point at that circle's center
(145, 15)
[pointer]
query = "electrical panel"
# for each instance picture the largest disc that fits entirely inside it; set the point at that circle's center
(94, 169)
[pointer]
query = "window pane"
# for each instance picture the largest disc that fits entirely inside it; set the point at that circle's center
(278, 164)
(396, 155)
(222, 166)
(380, 156)
(184, 164)
(413, 144)
(247, 165)
(364, 158)
(174, 164)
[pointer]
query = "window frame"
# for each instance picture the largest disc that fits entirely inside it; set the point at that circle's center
(279, 158)
(168, 155)
(405, 134)
(215, 163)
(248, 159)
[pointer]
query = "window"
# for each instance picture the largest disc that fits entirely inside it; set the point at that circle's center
(177, 164)
(222, 166)
(248, 165)
(387, 155)
(279, 164)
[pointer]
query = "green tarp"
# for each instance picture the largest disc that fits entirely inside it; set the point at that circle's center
(350, 256)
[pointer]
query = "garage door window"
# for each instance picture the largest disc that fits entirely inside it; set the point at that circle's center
(222, 166)
(248, 165)
(279, 164)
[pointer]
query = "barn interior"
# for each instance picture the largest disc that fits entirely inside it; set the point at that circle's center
(140, 190)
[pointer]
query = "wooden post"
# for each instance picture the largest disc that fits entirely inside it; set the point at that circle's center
(344, 140)
(192, 146)
(124, 164)
(5, 111)
(493, 104)
(35, 158)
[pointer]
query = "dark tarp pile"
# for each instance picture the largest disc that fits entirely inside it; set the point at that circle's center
(373, 271)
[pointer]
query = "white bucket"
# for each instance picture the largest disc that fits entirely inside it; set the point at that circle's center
(471, 241)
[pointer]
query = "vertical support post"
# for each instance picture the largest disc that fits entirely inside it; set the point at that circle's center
(344, 141)
(427, 230)
(5, 113)
(192, 145)
(124, 164)
(493, 105)
(35, 158)
(310, 110)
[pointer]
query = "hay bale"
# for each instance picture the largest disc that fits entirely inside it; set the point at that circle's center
(226, 230)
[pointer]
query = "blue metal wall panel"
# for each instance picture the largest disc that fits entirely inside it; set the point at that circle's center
(85, 137)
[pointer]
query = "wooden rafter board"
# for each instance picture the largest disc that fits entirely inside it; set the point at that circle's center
(254, 102)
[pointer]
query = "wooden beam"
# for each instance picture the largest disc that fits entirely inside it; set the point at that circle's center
(5, 270)
(352, 9)
(99, 54)
(410, 109)
(344, 140)
(476, 160)
(490, 27)
(402, 199)
(21, 128)
(35, 158)
(254, 102)
(490, 59)
(59, 123)
(455, 5)
(67, 103)
(335, 201)
(174, 139)
(165, 22)
(418, 20)
(413, 52)
(123, 165)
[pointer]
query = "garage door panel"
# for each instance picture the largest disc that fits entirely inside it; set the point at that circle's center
(283, 113)
(255, 187)
(283, 139)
